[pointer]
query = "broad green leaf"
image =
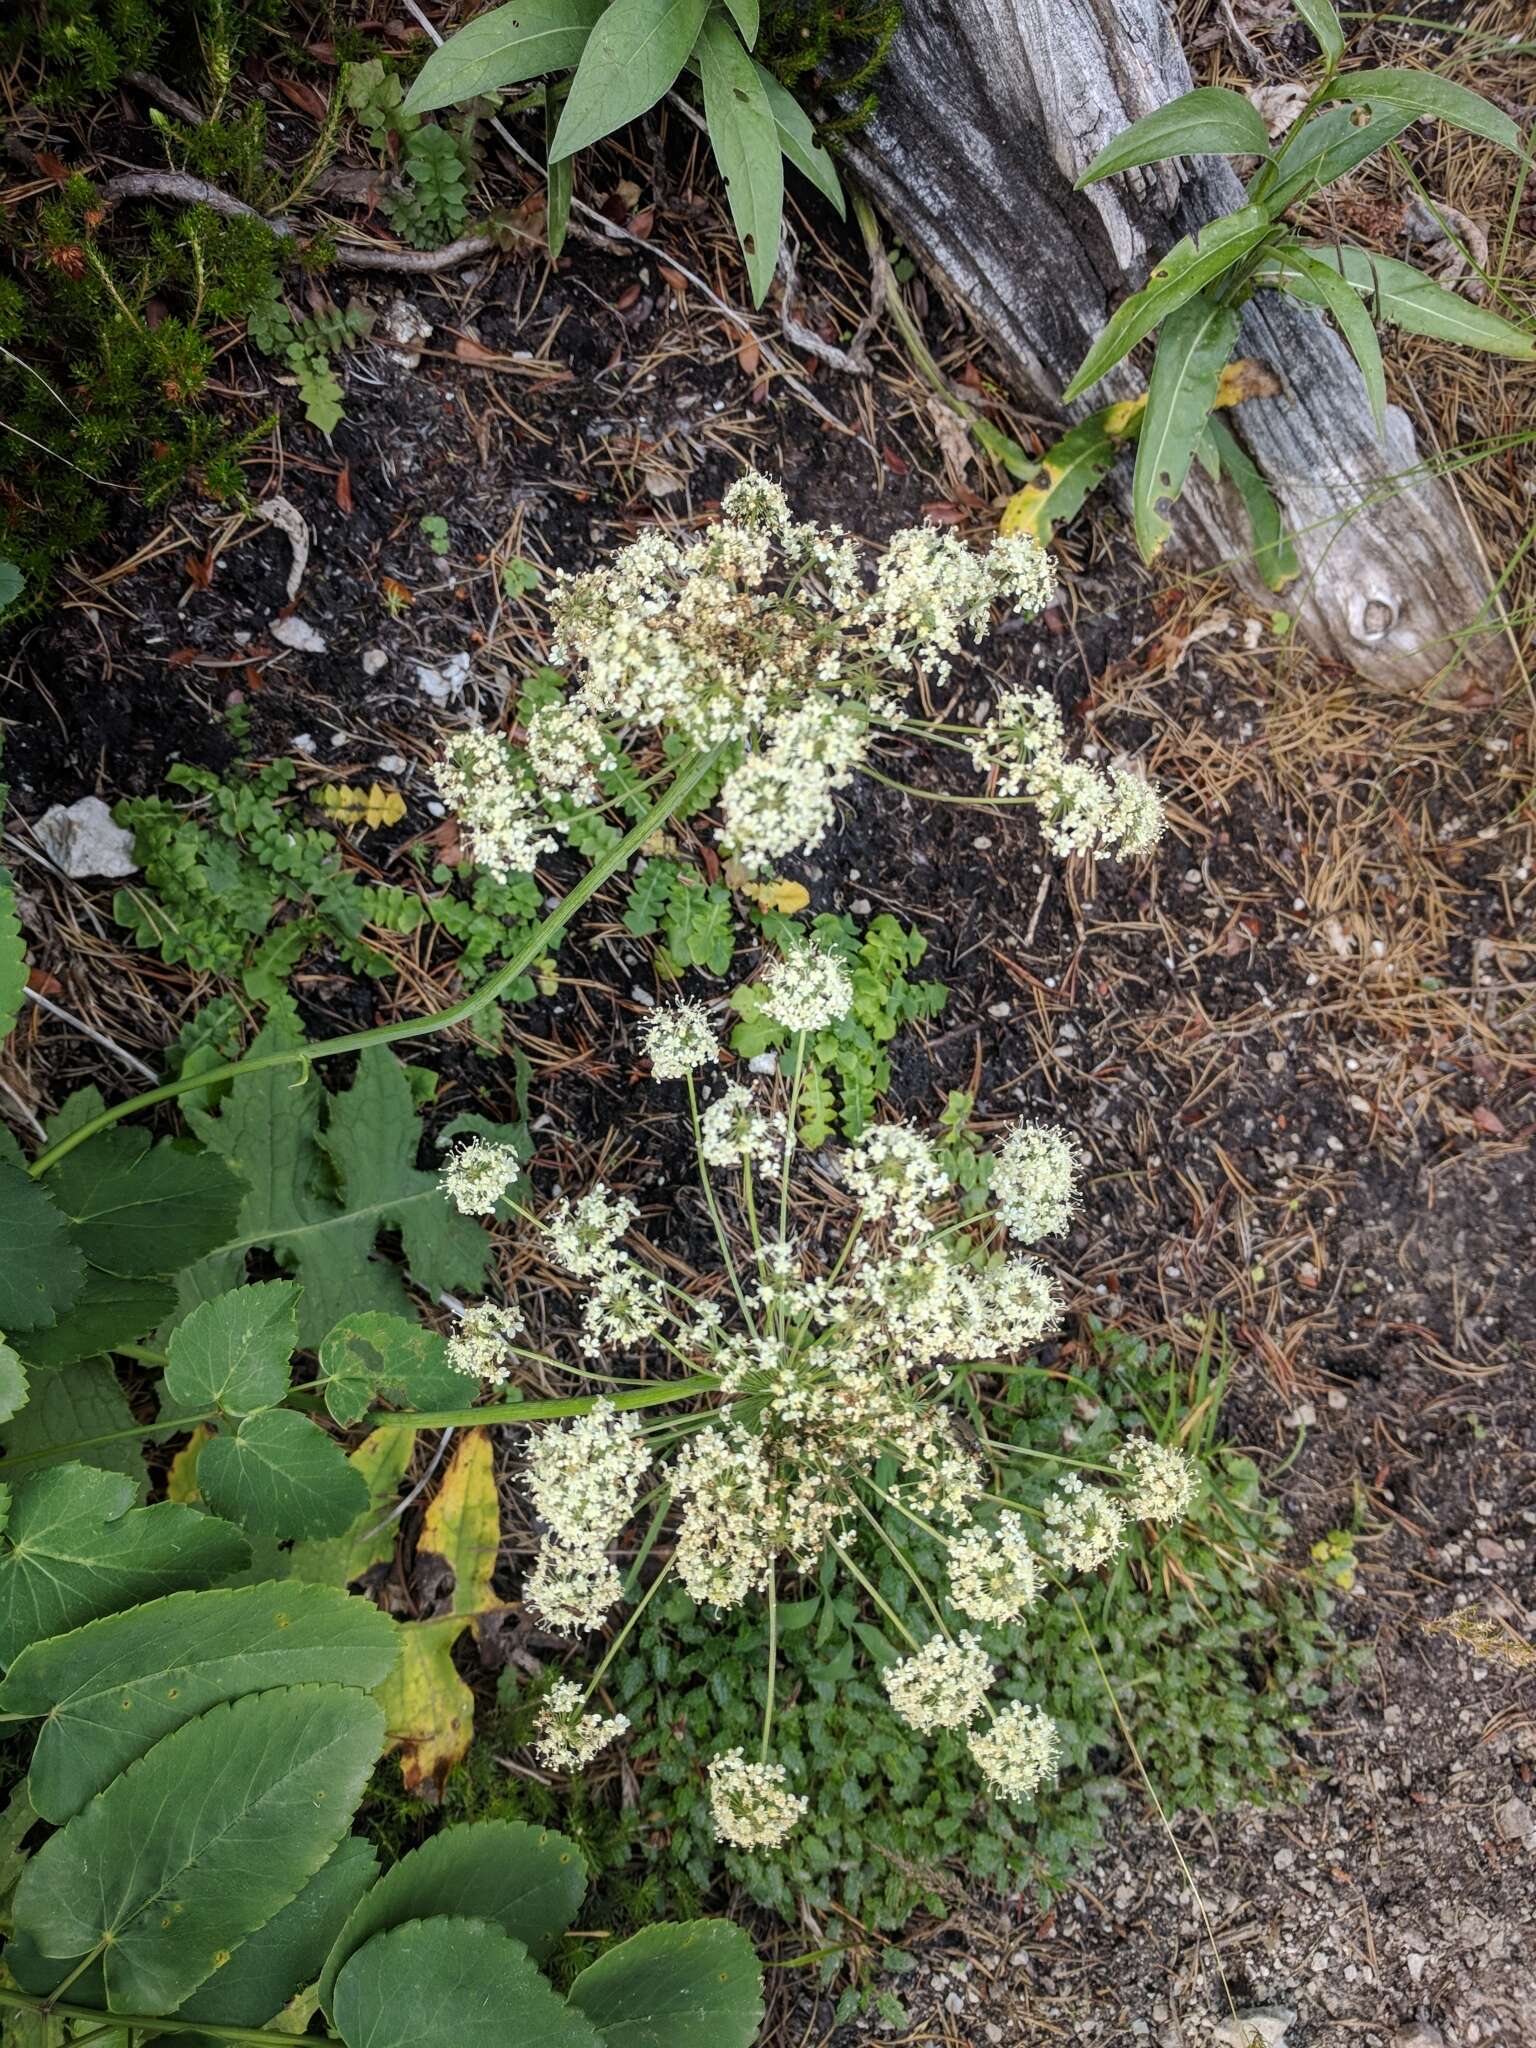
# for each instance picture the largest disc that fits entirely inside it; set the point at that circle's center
(381, 1461)
(233, 1352)
(41, 1269)
(745, 139)
(1273, 555)
(285, 1956)
(76, 1548)
(140, 1209)
(1192, 350)
(1329, 145)
(452, 1983)
(799, 141)
(1353, 320)
(504, 46)
(109, 1311)
(12, 583)
(1210, 121)
(1425, 93)
(745, 15)
(201, 1841)
(375, 1357)
(631, 57)
(75, 1412)
(1324, 23)
(1188, 267)
(279, 1474)
(694, 1984)
(13, 947)
(13, 1383)
(116, 1686)
(1403, 297)
(528, 1880)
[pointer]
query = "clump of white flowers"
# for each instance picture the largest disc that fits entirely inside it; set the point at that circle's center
(478, 1175)
(1084, 1526)
(568, 1736)
(806, 989)
(483, 1340)
(1161, 1482)
(751, 1804)
(1018, 1752)
(1033, 1182)
(993, 1575)
(679, 1040)
(942, 1685)
(764, 637)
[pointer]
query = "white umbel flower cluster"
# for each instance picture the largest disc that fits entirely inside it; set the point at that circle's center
(993, 1576)
(732, 1131)
(584, 1236)
(1024, 743)
(480, 781)
(751, 1804)
(478, 1175)
(1161, 1482)
(584, 1477)
(895, 1176)
(1018, 1752)
(1032, 1182)
(806, 990)
(1084, 1525)
(482, 1341)
(568, 1738)
(679, 1040)
(942, 1685)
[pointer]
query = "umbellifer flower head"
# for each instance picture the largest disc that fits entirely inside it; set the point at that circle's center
(992, 1572)
(1018, 1752)
(807, 990)
(679, 1040)
(568, 1738)
(478, 1175)
(478, 779)
(942, 1685)
(486, 1332)
(584, 1475)
(1161, 1482)
(1084, 1525)
(751, 1804)
(1031, 1182)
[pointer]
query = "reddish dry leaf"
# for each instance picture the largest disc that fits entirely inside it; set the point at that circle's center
(182, 656)
(470, 351)
(627, 298)
(396, 592)
(298, 92)
(1486, 1120)
(674, 278)
(344, 490)
(52, 166)
(642, 222)
(943, 512)
(749, 355)
(45, 983)
(199, 568)
(894, 462)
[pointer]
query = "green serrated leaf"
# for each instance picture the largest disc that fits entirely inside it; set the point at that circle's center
(1426, 94)
(799, 141)
(697, 1984)
(116, 1686)
(201, 1841)
(529, 1881)
(76, 1548)
(13, 1383)
(381, 1460)
(233, 1352)
(1188, 267)
(1354, 322)
(451, 1983)
(505, 46)
(1210, 121)
(745, 140)
(141, 1209)
(375, 1357)
(41, 1268)
(13, 948)
(1273, 554)
(1324, 23)
(82, 1405)
(1192, 351)
(110, 1311)
(279, 1474)
(633, 54)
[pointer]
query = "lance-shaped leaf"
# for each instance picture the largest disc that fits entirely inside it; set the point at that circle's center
(233, 1352)
(745, 15)
(75, 1548)
(279, 1474)
(1324, 23)
(1192, 351)
(201, 1841)
(504, 46)
(1330, 145)
(1354, 322)
(1273, 555)
(375, 1357)
(452, 1983)
(117, 1686)
(1210, 121)
(694, 1984)
(1403, 297)
(632, 55)
(463, 1524)
(745, 139)
(13, 948)
(140, 1209)
(1188, 267)
(1425, 93)
(1067, 472)
(559, 181)
(529, 1881)
(799, 141)
(41, 1269)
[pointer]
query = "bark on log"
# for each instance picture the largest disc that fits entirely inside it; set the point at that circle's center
(989, 111)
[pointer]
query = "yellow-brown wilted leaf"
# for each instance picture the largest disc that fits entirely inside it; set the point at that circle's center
(787, 897)
(181, 1480)
(1244, 379)
(361, 810)
(429, 1712)
(463, 1524)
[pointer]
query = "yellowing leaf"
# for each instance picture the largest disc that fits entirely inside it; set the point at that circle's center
(787, 897)
(181, 1480)
(383, 1459)
(361, 810)
(463, 1524)
(429, 1712)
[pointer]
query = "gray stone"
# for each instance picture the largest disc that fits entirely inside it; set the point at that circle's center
(1418, 2034)
(81, 840)
(1256, 2026)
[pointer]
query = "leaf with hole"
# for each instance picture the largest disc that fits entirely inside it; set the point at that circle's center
(450, 1982)
(76, 1548)
(113, 1688)
(233, 1352)
(1330, 145)
(375, 1357)
(201, 1841)
(463, 1524)
(633, 54)
(1210, 121)
(697, 1984)
(1188, 267)
(1192, 350)
(504, 46)
(1424, 94)
(529, 1881)
(744, 137)
(279, 1474)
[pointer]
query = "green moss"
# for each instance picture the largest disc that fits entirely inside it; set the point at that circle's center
(832, 49)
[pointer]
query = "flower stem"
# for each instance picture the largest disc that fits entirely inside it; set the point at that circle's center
(130, 2022)
(773, 1664)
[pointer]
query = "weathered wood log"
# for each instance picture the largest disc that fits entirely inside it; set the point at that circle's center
(989, 111)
